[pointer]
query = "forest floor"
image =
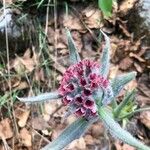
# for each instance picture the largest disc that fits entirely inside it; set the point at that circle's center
(40, 65)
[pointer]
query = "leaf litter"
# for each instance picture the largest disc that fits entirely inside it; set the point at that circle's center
(84, 22)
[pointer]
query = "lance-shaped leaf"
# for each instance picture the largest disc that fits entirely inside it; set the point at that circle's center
(74, 56)
(116, 130)
(105, 59)
(106, 7)
(41, 97)
(74, 131)
(119, 82)
(128, 98)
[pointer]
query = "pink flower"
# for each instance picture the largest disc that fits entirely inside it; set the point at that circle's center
(79, 83)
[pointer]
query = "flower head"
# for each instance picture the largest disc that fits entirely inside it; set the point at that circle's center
(78, 85)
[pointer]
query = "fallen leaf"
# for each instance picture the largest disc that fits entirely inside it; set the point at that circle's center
(26, 137)
(58, 66)
(97, 130)
(22, 85)
(140, 59)
(72, 22)
(22, 115)
(89, 139)
(50, 107)
(39, 123)
(131, 85)
(5, 129)
(91, 16)
(145, 118)
(25, 63)
(127, 5)
(138, 67)
(126, 63)
(78, 144)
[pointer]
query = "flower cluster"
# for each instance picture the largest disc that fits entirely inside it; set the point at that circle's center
(78, 85)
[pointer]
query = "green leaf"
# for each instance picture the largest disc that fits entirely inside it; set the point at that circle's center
(130, 96)
(105, 59)
(74, 131)
(116, 130)
(41, 97)
(106, 7)
(134, 112)
(120, 81)
(74, 56)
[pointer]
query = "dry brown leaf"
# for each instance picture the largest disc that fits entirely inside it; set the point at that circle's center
(131, 85)
(39, 123)
(145, 118)
(72, 22)
(22, 85)
(5, 129)
(126, 63)
(138, 67)
(113, 71)
(15, 81)
(61, 45)
(78, 144)
(91, 17)
(50, 107)
(39, 75)
(124, 29)
(8, 2)
(143, 100)
(89, 139)
(97, 130)
(22, 115)
(127, 5)
(26, 137)
(25, 63)
(58, 66)
(140, 59)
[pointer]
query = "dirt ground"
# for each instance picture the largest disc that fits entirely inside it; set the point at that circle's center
(38, 67)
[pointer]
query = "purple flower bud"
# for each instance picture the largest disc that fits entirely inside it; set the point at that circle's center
(79, 99)
(79, 82)
(88, 103)
(80, 111)
(87, 92)
(83, 82)
(66, 100)
(70, 86)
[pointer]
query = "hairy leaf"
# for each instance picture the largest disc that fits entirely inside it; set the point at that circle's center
(116, 130)
(105, 59)
(74, 56)
(41, 97)
(74, 131)
(119, 82)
